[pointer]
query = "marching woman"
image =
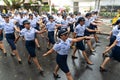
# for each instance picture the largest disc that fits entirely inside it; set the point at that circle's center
(113, 34)
(21, 19)
(87, 33)
(1, 41)
(71, 24)
(62, 48)
(9, 29)
(93, 25)
(65, 23)
(79, 32)
(34, 23)
(51, 26)
(29, 34)
(114, 55)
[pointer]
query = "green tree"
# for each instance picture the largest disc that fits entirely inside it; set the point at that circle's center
(45, 8)
(67, 8)
(14, 3)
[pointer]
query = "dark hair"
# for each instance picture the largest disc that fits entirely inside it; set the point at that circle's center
(63, 16)
(50, 17)
(88, 14)
(62, 32)
(30, 14)
(6, 15)
(117, 22)
(79, 20)
(26, 22)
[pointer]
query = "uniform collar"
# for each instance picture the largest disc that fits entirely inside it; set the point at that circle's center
(28, 29)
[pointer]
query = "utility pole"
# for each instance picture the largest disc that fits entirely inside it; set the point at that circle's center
(97, 5)
(50, 6)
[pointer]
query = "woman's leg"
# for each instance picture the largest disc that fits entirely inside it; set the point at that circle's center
(86, 58)
(37, 43)
(69, 76)
(2, 47)
(29, 59)
(35, 60)
(56, 69)
(74, 52)
(90, 45)
(96, 38)
(17, 54)
(107, 59)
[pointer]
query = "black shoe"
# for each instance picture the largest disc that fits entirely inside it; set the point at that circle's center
(39, 47)
(56, 76)
(20, 62)
(41, 72)
(105, 55)
(103, 70)
(48, 49)
(5, 54)
(29, 62)
(98, 42)
(12, 55)
(74, 57)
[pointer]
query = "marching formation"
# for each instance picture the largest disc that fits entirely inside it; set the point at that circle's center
(63, 31)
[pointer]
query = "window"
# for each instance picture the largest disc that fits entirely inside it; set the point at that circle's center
(75, 3)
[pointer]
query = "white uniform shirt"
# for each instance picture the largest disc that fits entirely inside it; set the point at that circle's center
(64, 23)
(21, 20)
(50, 26)
(62, 47)
(79, 30)
(28, 34)
(118, 39)
(8, 27)
(58, 19)
(33, 22)
(87, 22)
(115, 30)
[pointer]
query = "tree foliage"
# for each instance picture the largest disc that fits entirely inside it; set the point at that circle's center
(14, 3)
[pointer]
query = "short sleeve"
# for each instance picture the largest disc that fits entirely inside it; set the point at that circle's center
(70, 40)
(1, 26)
(56, 47)
(35, 30)
(76, 30)
(22, 33)
(47, 25)
(118, 37)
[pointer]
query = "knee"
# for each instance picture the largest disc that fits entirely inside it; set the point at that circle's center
(68, 74)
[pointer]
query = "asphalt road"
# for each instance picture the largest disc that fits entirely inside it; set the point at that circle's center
(11, 70)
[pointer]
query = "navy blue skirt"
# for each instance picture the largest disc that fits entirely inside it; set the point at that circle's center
(21, 27)
(71, 28)
(80, 45)
(112, 39)
(30, 46)
(1, 36)
(10, 39)
(93, 27)
(86, 33)
(62, 63)
(51, 37)
(115, 53)
(37, 28)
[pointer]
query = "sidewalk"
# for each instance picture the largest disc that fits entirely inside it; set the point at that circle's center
(105, 28)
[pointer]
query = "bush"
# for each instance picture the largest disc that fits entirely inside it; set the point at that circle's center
(108, 14)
